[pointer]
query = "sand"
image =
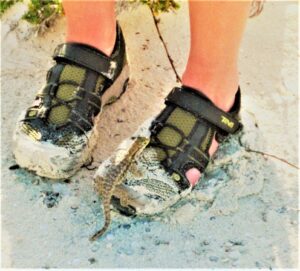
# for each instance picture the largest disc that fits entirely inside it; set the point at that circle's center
(244, 212)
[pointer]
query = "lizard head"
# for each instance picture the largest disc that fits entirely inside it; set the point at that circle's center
(142, 142)
(139, 145)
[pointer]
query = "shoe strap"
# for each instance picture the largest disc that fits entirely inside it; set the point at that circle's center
(93, 59)
(200, 106)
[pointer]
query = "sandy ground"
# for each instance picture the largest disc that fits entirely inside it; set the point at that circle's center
(245, 211)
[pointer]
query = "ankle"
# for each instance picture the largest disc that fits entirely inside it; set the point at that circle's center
(104, 41)
(92, 23)
(219, 85)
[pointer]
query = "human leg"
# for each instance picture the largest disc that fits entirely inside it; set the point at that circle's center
(216, 32)
(83, 79)
(183, 134)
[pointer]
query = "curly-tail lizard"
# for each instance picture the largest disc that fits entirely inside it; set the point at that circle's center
(115, 176)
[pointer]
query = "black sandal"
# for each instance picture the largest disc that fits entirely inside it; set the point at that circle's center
(56, 135)
(192, 151)
(181, 136)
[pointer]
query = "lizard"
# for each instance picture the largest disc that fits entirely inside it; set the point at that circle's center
(115, 176)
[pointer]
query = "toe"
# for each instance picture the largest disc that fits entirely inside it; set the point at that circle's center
(193, 175)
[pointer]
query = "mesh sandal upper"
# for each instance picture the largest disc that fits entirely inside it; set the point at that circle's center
(183, 132)
(71, 97)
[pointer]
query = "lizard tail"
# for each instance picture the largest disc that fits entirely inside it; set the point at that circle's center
(98, 234)
(106, 224)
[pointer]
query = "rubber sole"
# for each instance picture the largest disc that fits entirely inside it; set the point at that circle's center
(129, 202)
(57, 162)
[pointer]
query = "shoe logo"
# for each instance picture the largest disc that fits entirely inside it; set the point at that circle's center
(227, 122)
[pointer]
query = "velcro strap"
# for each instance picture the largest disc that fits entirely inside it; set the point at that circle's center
(86, 56)
(200, 106)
